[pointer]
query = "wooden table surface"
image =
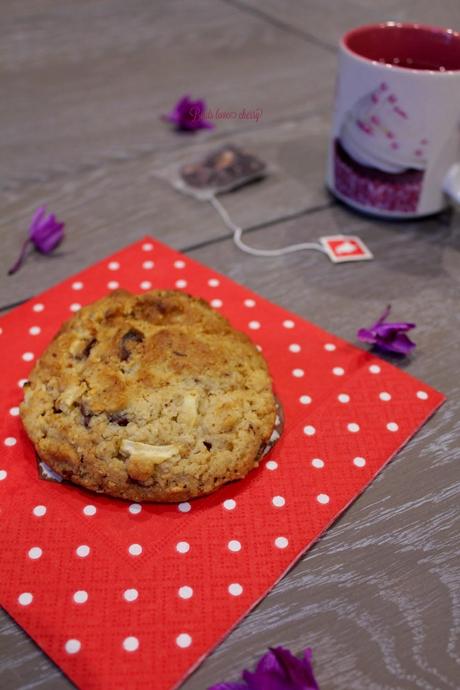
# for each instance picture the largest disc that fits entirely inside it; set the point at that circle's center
(83, 85)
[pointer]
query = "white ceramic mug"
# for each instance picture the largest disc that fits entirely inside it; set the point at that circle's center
(395, 138)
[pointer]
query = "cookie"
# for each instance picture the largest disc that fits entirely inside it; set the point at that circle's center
(150, 398)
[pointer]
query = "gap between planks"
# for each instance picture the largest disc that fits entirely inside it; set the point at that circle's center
(222, 238)
(279, 24)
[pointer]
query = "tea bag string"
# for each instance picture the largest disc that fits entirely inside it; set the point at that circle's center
(238, 235)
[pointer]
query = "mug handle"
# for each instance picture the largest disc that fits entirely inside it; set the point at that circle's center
(451, 183)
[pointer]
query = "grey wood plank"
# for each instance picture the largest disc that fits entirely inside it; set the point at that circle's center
(377, 597)
(87, 82)
(324, 21)
(104, 209)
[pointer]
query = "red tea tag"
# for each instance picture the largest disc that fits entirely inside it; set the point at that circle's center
(341, 248)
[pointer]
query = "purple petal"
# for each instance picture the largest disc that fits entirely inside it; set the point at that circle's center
(388, 328)
(188, 115)
(48, 244)
(183, 102)
(180, 109)
(307, 659)
(383, 316)
(266, 681)
(389, 337)
(366, 335)
(205, 124)
(278, 669)
(45, 232)
(400, 343)
(281, 670)
(298, 671)
(268, 663)
(48, 238)
(199, 105)
(36, 220)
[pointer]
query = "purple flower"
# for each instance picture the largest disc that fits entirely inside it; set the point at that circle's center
(389, 337)
(278, 669)
(188, 115)
(45, 233)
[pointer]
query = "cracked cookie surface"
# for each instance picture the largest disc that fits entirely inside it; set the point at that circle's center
(150, 398)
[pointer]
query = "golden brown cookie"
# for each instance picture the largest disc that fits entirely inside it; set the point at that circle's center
(150, 398)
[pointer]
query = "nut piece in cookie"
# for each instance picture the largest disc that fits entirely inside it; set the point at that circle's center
(142, 458)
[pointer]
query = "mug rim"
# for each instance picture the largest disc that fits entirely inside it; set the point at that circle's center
(344, 45)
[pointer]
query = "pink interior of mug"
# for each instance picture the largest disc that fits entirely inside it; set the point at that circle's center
(409, 46)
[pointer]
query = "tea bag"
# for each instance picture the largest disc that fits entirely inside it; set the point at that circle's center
(224, 170)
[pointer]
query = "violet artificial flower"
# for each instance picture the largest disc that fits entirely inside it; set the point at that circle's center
(45, 233)
(389, 337)
(278, 669)
(188, 115)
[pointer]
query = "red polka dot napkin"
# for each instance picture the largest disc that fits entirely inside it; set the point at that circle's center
(134, 596)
